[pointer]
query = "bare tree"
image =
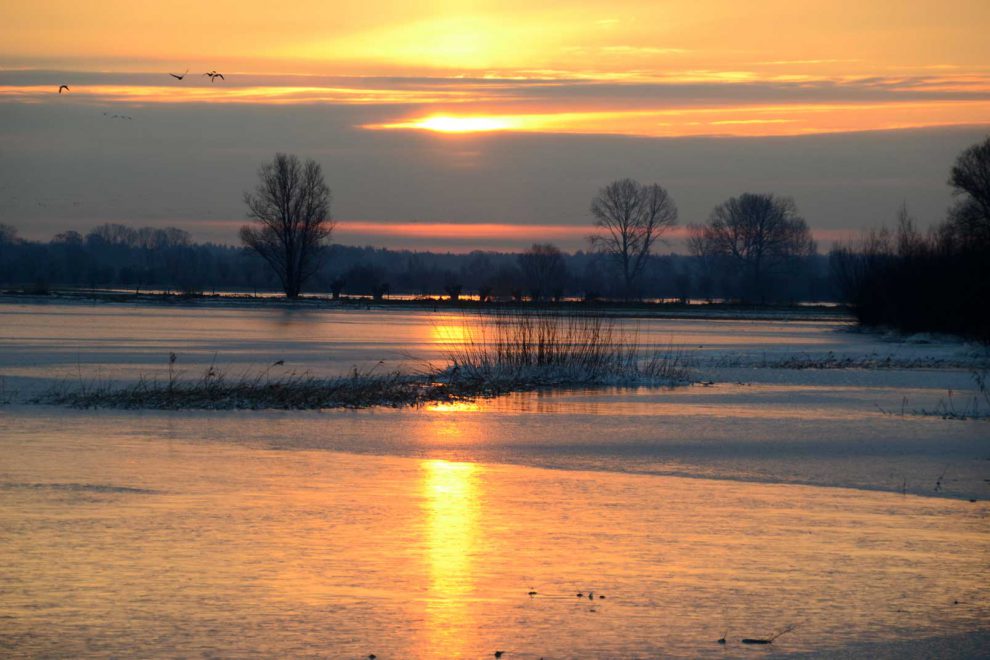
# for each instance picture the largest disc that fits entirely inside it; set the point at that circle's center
(291, 205)
(8, 238)
(969, 219)
(543, 270)
(8, 234)
(758, 235)
(633, 217)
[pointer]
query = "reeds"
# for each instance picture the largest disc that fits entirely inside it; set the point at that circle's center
(948, 408)
(499, 353)
(511, 351)
(214, 390)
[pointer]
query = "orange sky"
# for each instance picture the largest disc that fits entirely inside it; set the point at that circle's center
(467, 121)
(698, 68)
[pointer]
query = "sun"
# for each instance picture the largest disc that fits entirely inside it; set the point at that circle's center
(449, 124)
(455, 124)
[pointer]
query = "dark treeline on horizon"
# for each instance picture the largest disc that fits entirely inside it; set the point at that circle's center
(935, 281)
(754, 248)
(141, 259)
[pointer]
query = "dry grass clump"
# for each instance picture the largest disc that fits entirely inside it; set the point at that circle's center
(953, 407)
(512, 351)
(301, 391)
(500, 353)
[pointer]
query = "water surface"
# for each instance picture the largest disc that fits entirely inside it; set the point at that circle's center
(771, 497)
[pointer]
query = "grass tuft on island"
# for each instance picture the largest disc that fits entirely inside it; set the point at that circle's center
(501, 352)
(215, 391)
(494, 354)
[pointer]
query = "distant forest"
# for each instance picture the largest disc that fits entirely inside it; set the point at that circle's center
(143, 259)
(754, 248)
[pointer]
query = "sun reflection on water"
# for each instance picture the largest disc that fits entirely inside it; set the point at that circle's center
(454, 406)
(451, 330)
(450, 501)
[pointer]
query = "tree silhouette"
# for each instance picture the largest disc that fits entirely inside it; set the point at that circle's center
(543, 270)
(291, 206)
(633, 217)
(969, 219)
(8, 238)
(759, 235)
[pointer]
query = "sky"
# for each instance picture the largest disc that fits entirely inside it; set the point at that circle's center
(485, 125)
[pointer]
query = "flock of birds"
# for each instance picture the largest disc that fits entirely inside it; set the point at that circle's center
(212, 75)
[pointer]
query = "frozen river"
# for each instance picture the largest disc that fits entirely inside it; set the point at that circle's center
(771, 497)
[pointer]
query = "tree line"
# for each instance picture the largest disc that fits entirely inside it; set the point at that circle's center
(112, 256)
(751, 238)
(753, 248)
(937, 280)
(287, 247)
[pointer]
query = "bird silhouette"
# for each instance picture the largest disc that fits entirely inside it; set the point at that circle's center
(213, 75)
(177, 76)
(498, 654)
(61, 87)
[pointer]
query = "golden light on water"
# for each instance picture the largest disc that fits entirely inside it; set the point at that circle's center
(454, 406)
(450, 500)
(450, 331)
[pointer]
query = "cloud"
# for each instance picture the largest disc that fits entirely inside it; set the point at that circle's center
(710, 87)
(691, 104)
(67, 166)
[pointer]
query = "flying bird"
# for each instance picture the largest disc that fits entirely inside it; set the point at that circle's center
(177, 76)
(214, 75)
(61, 87)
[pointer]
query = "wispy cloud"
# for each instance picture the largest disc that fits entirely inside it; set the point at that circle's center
(695, 103)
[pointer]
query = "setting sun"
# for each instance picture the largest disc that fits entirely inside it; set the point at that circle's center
(452, 124)
(607, 329)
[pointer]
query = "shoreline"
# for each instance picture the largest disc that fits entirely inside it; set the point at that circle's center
(617, 309)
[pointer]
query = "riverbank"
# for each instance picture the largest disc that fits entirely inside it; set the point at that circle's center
(825, 311)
